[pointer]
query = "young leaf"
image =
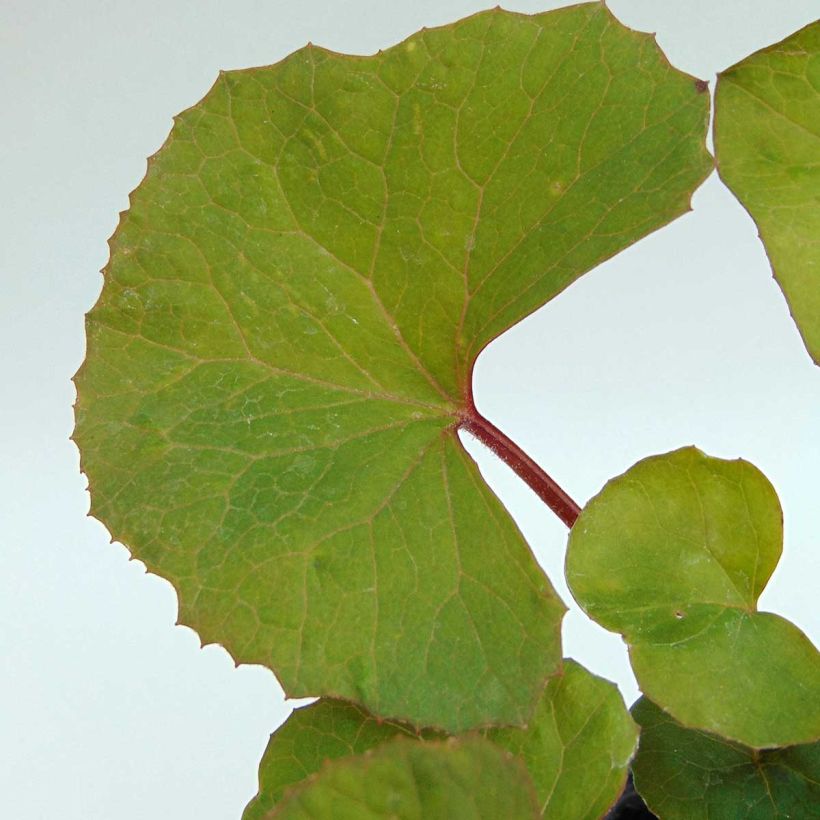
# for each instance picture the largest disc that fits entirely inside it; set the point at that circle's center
(767, 143)
(281, 354)
(470, 779)
(674, 554)
(577, 746)
(685, 774)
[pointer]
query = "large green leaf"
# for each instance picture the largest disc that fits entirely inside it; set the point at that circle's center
(280, 357)
(686, 774)
(577, 746)
(674, 554)
(468, 779)
(767, 145)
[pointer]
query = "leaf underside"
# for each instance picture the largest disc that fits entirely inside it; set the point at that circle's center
(577, 746)
(767, 145)
(401, 780)
(674, 555)
(685, 774)
(279, 359)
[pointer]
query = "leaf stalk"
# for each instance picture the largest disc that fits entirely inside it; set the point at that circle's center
(542, 484)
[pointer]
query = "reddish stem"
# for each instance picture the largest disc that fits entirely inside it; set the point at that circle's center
(545, 487)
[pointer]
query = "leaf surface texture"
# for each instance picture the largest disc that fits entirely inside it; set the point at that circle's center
(577, 746)
(685, 774)
(767, 144)
(281, 353)
(469, 779)
(674, 554)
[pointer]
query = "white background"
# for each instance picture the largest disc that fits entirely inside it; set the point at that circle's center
(107, 710)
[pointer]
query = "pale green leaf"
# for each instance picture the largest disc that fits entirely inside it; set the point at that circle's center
(577, 746)
(280, 357)
(674, 554)
(686, 774)
(468, 779)
(767, 145)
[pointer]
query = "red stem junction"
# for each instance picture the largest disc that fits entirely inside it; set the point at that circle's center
(543, 485)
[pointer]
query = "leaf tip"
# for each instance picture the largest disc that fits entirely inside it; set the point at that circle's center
(701, 86)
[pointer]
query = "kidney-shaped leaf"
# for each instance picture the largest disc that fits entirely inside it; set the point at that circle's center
(401, 780)
(686, 774)
(577, 746)
(281, 354)
(767, 144)
(674, 554)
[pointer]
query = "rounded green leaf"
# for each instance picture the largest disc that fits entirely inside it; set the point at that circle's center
(577, 746)
(767, 141)
(686, 774)
(281, 353)
(468, 779)
(674, 554)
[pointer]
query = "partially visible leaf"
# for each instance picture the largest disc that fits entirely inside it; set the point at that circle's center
(686, 774)
(402, 780)
(767, 147)
(312, 735)
(281, 354)
(577, 746)
(674, 554)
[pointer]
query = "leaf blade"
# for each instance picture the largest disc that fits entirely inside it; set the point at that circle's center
(684, 774)
(766, 144)
(577, 746)
(284, 340)
(673, 554)
(467, 778)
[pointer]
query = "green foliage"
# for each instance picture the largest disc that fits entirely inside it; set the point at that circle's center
(467, 779)
(577, 746)
(685, 774)
(325, 730)
(280, 356)
(767, 141)
(673, 555)
(279, 365)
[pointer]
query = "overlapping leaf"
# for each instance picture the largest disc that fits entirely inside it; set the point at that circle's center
(685, 774)
(325, 730)
(767, 144)
(577, 746)
(674, 554)
(279, 359)
(468, 779)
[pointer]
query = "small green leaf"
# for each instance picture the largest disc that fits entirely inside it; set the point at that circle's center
(577, 746)
(281, 354)
(686, 774)
(767, 144)
(674, 554)
(402, 780)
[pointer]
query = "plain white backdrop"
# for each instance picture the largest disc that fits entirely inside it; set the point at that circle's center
(107, 710)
